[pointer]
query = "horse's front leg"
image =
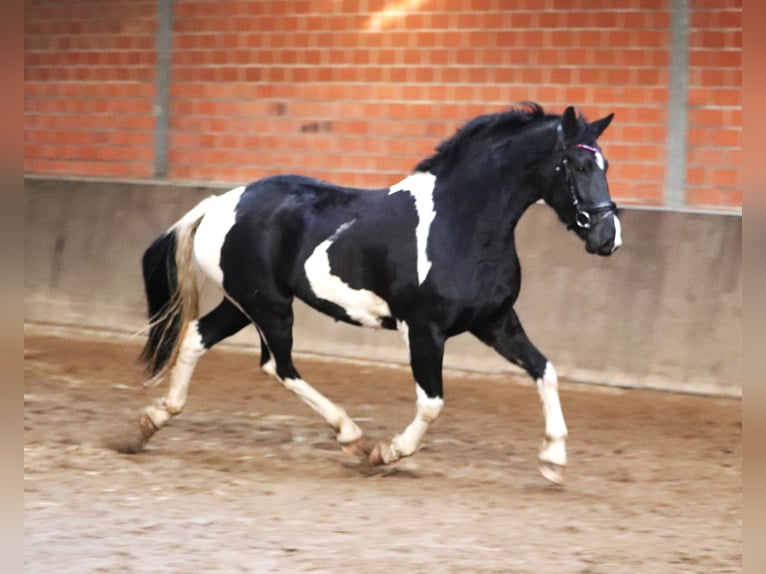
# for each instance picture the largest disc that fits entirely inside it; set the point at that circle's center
(508, 338)
(553, 452)
(426, 355)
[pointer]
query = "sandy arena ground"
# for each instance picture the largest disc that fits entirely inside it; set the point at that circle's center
(248, 479)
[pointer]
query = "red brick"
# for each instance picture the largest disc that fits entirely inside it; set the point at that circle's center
(731, 198)
(730, 137)
(726, 178)
(703, 197)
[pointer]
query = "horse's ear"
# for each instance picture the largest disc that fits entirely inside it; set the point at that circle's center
(569, 124)
(599, 126)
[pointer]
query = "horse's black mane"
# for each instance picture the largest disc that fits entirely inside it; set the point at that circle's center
(497, 126)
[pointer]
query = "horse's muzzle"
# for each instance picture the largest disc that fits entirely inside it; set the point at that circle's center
(603, 250)
(605, 237)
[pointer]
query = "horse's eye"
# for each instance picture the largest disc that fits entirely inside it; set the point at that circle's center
(581, 168)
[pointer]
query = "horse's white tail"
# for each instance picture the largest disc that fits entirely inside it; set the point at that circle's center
(172, 291)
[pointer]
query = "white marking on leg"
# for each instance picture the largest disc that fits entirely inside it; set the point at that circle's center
(405, 444)
(361, 305)
(617, 233)
(554, 443)
(270, 367)
(335, 416)
(404, 329)
(420, 186)
(212, 230)
(174, 400)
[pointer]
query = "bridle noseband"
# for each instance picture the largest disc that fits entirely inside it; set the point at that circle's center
(588, 214)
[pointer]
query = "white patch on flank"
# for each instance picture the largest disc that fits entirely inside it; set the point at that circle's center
(420, 186)
(360, 304)
(617, 233)
(212, 230)
(599, 160)
(195, 213)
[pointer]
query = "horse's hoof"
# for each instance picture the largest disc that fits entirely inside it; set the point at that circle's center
(376, 456)
(128, 441)
(147, 426)
(552, 472)
(134, 440)
(357, 448)
(129, 446)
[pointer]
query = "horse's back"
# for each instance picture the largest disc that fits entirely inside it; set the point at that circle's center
(270, 227)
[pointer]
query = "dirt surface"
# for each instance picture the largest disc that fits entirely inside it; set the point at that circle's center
(248, 479)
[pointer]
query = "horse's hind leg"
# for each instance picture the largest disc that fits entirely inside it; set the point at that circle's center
(275, 321)
(220, 323)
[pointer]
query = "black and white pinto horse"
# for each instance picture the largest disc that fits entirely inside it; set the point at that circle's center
(432, 256)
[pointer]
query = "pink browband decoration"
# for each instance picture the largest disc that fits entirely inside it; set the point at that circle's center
(589, 148)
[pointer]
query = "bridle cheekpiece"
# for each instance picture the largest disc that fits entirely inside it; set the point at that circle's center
(587, 214)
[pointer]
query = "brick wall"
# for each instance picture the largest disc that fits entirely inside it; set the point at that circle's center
(358, 91)
(89, 86)
(715, 103)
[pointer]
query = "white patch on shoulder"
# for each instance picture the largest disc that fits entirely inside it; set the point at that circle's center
(420, 186)
(212, 230)
(360, 304)
(599, 160)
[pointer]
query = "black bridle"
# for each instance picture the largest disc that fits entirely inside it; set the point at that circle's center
(587, 214)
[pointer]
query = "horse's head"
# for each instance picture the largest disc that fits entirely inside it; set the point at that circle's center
(579, 192)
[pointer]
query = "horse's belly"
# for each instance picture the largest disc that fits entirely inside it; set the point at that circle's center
(362, 306)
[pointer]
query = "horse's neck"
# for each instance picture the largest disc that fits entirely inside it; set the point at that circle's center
(484, 206)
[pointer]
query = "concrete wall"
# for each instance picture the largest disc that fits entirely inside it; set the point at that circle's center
(664, 312)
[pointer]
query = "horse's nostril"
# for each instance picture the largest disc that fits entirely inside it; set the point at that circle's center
(607, 247)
